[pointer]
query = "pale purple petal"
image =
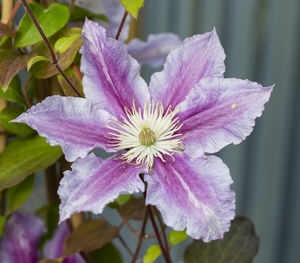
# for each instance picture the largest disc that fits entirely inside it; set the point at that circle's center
(111, 76)
(200, 56)
(73, 123)
(21, 237)
(195, 195)
(155, 50)
(218, 112)
(94, 182)
(53, 249)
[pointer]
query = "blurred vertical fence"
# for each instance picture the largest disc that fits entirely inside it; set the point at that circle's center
(262, 41)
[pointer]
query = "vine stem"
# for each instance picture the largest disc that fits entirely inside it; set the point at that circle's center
(142, 232)
(121, 25)
(162, 230)
(48, 45)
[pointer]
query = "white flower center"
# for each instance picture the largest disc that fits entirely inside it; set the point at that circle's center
(148, 134)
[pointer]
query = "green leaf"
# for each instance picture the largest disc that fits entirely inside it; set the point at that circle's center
(152, 254)
(73, 77)
(133, 209)
(107, 254)
(36, 59)
(121, 200)
(12, 113)
(240, 245)
(2, 223)
(133, 6)
(14, 92)
(5, 30)
(176, 237)
(11, 63)
(18, 194)
(43, 69)
(64, 43)
(89, 236)
(25, 156)
(51, 21)
(79, 14)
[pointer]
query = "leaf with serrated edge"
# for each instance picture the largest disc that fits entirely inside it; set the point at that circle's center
(25, 156)
(176, 237)
(89, 236)
(152, 254)
(51, 21)
(133, 209)
(240, 245)
(133, 6)
(18, 194)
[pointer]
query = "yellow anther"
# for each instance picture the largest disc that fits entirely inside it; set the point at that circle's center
(233, 106)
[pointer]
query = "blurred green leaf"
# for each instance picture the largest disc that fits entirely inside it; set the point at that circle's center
(11, 113)
(133, 6)
(5, 30)
(25, 156)
(11, 63)
(240, 245)
(17, 195)
(107, 254)
(36, 59)
(2, 223)
(44, 69)
(89, 236)
(133, 209)
(51, 20)
(14, 92)
(79, 14)
(121, 200)
(62, 44)
(176, 237)
(73, 77)
(152, 254)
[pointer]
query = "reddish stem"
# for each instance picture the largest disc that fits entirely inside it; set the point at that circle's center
(77, 71)
(13, 13)
(121, 25)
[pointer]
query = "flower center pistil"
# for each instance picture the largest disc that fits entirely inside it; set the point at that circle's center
(147, 137)
(147, 134)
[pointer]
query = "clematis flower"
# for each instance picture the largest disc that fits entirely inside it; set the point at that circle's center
(22, 236)
(163, 131)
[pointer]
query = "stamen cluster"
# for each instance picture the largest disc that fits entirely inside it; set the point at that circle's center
(147, 134)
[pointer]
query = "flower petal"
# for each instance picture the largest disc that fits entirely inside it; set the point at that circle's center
(200, 56)
(155, 50)
(194, 195)
(94, 182)
(73, 123)
(22, 235)
(53, 249)
(111, 76)
(218, 112)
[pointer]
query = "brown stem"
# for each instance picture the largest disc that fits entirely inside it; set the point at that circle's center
(48, 45)
(71, 5)
(162, 226)
(121, 25)
(122, 241)
(26, 92)
(142, 232)
(13, 13)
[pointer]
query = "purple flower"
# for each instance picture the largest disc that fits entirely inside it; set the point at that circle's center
(162, 130)
(22, 236)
